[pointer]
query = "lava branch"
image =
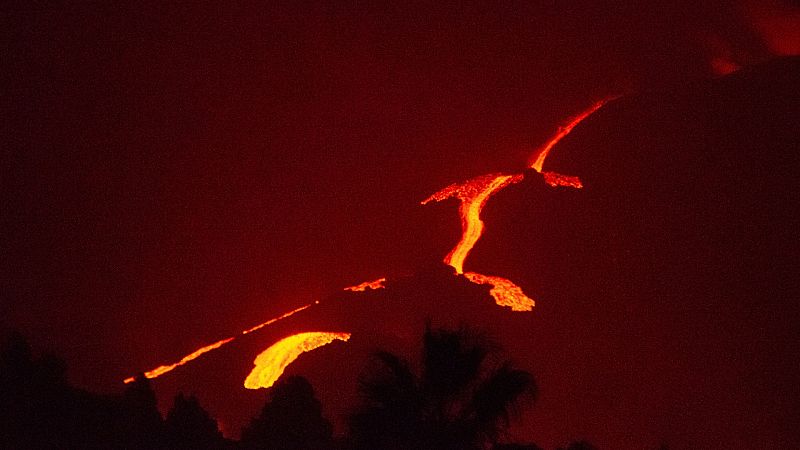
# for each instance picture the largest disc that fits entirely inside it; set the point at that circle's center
(563, 131)
(161, 370)
(270, 364)
(504, 291)
(375, 284)
(473, 195)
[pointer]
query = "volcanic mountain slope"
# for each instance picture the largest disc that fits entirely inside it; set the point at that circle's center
(666, 287)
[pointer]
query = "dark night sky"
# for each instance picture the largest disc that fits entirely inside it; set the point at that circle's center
(171, 175)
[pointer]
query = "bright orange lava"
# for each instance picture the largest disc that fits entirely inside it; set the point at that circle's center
(504, 291)
(161, 370)
(271, 321)
(375, 284)
(270, 364)
(556, 179)
(473, 195)
(164, 369)
(541, 155)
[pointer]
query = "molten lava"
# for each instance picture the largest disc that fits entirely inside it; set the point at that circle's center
(563, 131)
(195, 354)
(282, 316)
(473, 195)
(375, 284)
(161, 370)
(270, 364)
(504, 291)
(556, 179)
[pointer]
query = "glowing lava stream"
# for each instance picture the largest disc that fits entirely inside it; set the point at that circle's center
(504, 291)
(161, 370)
(473, 195)
(375, 284)
(563, 131)
(270, 364)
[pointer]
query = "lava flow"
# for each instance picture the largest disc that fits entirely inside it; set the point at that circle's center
(504, 291)
(563, 131)
(376, 284)
(161, 370)
(473, 195)
(270, 364)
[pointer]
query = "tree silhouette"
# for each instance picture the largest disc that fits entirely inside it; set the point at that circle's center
(189, 426)
(142, 424)
(464, 397)
(34, 397)
(290, 420)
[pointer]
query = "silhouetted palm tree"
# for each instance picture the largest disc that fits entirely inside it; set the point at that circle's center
(464, 397)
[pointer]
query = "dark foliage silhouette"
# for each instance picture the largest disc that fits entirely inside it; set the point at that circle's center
(189, 426)
(40, 410)
(290, 420)
(464, 397)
